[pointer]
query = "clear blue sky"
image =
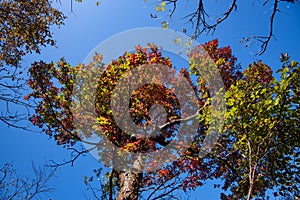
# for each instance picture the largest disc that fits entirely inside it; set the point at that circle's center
(89, 25)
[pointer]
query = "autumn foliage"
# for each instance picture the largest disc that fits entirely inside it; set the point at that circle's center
(25, 27)
(260, 113)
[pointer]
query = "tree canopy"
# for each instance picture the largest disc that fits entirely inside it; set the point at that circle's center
(25, 28)
(258, 149)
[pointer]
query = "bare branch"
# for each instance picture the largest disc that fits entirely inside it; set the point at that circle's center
(199, 20)
(75, 154)
(15, 110)
(174, 2)
(94, 191)
(176, 121)
(164, 190)
(12, 186)
(267, 39)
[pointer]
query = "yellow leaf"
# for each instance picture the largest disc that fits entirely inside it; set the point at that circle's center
(165, 24)
(98, 3)
(163, 6)
(178, 41)
(294, 63)
(157, 8)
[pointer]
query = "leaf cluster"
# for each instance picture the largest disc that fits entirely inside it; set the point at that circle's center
(25, 27)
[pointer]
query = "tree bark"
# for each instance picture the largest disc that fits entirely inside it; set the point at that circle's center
(130, 183)
(252, 171)
(129, 186)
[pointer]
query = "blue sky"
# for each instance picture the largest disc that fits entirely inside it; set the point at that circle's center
(89, 25)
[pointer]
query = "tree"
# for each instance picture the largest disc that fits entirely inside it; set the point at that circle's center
(55, 117)
(249, 157)
(263, 132)
(13, 186)
(25, 28)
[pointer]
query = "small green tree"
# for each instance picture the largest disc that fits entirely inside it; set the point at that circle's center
(262, 132)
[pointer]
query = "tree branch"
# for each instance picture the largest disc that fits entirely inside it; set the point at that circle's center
(74, 156)
(164, 189)
(267, 39)
(12, 186)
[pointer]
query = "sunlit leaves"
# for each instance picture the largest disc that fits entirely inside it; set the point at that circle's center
(161, 7)
(52, 86)
(260, 139)
(25, 27)
(140, 102)
(264, 129)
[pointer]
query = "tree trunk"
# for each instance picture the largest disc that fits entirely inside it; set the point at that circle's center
(252, 171)
(129, 186)
(130, 183)
(250, 189)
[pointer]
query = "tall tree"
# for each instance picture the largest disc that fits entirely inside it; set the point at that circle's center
(250, 156)
(55, 117)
